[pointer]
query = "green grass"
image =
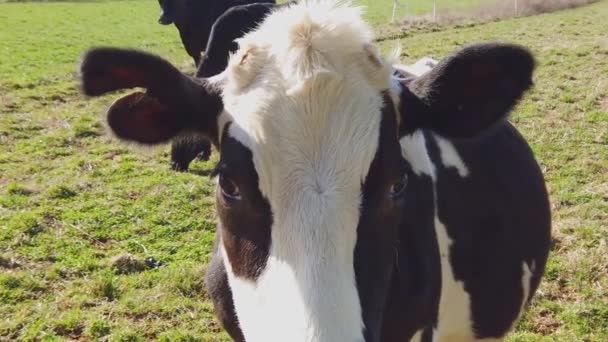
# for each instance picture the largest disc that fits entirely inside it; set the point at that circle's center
(71, 198)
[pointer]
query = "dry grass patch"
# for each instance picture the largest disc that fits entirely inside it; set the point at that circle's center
(478, 15)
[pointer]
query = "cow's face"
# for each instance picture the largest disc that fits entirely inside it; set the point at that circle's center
(172, 11)
(312, 178)
(310, 161)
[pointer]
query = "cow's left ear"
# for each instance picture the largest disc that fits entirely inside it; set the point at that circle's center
(468, 92)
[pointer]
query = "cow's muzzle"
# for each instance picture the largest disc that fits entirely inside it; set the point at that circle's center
(165, 19)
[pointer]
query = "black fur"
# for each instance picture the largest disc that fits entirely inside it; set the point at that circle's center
(216, 281)
(187, 147)
(469, 91)
(233, 24)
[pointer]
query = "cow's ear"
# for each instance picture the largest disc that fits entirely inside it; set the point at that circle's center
(468, 92)
(173, 102)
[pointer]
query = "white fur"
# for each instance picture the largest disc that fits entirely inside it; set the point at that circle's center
(450, 157)
(455, 320)
(421, 67)
(526, 283)
(413, 149)
(305, 97)
(526, 279)
(418, 336)
(222, 120)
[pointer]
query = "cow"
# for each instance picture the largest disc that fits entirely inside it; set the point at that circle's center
(195, 18)
(353, 205)
(231, 25)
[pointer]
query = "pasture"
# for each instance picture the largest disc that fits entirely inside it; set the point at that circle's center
(72, 199)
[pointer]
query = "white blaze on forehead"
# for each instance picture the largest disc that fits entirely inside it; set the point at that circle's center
(304, 94)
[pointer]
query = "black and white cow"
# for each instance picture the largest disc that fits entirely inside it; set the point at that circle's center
(353, 206)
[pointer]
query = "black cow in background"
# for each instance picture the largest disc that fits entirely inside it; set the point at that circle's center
(194, 19)
(232, 24)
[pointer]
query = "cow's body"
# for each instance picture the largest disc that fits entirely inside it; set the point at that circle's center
(475, 250)
(489, 243)
(352, 205)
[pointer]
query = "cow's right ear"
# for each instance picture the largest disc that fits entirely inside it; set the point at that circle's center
(172, 103)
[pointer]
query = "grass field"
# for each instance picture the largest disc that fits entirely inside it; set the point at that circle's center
(71, 198)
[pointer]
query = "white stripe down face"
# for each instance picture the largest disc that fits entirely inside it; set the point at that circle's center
(301, 126)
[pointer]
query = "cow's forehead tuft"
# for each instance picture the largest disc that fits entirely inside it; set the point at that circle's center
(307, 81)
(297, 42)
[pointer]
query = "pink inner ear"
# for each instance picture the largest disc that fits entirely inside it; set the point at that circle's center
(142, 118)
(128, 77)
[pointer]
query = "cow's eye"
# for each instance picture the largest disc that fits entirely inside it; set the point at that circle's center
(398, 188)
(229, 189)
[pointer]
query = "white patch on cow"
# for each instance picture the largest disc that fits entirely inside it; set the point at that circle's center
(417, 336)
(454, 319)
(450, 157)
(413, 149)
(526, 284)
(219, 79)
(421, 67)
(396, 89)
(246, 64)
(309, 109)
(526, 279)
(223, 119)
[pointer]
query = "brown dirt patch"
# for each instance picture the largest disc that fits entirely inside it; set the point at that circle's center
(9, 263)
(127, 263)
(544, 323)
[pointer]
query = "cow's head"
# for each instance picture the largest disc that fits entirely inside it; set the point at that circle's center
(172, 11)
(312, 178)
